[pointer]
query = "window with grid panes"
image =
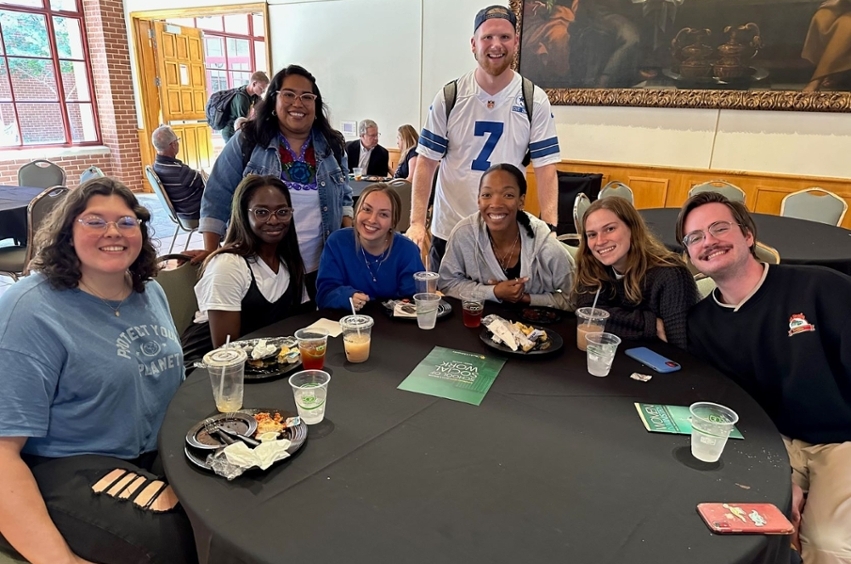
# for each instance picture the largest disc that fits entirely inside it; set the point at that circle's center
(46, 93)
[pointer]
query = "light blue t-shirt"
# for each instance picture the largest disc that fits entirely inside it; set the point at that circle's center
(76, 379)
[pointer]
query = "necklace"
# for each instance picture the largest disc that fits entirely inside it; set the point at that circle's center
(106, 303)
(379, 261)
(503, 262)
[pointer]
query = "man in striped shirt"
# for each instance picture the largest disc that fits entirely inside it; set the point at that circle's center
(184, 185)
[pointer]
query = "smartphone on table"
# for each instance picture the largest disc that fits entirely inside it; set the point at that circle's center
(654, 360)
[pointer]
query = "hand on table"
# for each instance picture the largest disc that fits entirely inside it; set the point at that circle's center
(359, 299)
(509, 290)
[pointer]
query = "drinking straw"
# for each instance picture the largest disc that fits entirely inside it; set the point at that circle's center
(222, 379)
(354, 314)
(594, 305)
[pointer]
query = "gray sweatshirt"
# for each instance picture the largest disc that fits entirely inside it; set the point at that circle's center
(469, 263)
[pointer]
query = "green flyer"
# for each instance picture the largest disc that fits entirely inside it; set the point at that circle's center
(456, 375)
(676, 419)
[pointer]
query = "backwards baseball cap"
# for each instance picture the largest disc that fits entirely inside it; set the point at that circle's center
(494, 12)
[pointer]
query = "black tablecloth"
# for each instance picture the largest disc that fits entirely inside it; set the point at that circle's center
(13, 211)
(798, 241)
(554, 466)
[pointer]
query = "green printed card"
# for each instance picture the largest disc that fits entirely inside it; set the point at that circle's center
(456, 375)
(676, 419)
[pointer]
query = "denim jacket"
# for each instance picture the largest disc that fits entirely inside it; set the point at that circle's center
(335, 194)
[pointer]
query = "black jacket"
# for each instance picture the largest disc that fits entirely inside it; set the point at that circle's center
(378, 160)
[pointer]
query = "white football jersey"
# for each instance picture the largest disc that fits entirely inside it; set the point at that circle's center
(483, 130)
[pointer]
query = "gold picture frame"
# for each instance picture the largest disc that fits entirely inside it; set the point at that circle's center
(682, 95)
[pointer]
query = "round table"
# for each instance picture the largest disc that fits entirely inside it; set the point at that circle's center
(797, 240)
(554, 465)
(13, 211)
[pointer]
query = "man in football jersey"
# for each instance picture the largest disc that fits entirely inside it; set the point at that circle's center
(487, 125)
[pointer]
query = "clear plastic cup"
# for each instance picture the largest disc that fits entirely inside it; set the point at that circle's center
(311, 345)
(472, 307)
(601, 352)
(711, 425)
(358, 172)
(427, 309)
(357, 334)
(310, 390)
(589, 320)
(226, 367)
(426, 282)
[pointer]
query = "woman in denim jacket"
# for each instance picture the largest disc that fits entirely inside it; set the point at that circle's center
(289, 137)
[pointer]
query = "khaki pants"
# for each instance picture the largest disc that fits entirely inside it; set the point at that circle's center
(824, 473)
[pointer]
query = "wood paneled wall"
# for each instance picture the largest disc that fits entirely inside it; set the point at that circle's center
(657, 187)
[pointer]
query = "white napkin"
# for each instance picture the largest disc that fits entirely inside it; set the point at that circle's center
(333, 327)
(262, 456)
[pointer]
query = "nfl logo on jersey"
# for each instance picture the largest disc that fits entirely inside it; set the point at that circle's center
(519, 104)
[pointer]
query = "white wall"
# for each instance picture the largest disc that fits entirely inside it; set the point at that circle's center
(386, 59)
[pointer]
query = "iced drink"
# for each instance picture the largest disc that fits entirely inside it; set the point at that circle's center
(472, 307)
(227, 376)
(426, 282)
(310, 390)
(357, 334)
(601, 352)
(311, 345)
(427, 305)
(711, 425)
(589, 321)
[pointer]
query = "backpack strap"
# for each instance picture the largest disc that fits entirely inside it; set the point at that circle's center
(528, 97)
(450, 96)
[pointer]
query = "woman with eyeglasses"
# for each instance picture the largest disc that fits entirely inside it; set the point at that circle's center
(91, 359)
(371, 261)
(288, 137)
(257, 277)
(646, 288)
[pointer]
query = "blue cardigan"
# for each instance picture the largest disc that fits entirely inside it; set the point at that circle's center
(343, 271)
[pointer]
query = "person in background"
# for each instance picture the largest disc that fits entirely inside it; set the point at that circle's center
(371, 261)
(242, 105)
(257, 277)
(782, 333)
(90, 361)
(646, 288)
(289, 137)
(406, 140)
(488, 124)
(183, 184)
(503, 253)
(366, 153)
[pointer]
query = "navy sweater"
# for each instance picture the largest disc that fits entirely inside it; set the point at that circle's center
(789, 346)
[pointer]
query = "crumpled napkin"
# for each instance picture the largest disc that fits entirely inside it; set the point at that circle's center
(235, 459)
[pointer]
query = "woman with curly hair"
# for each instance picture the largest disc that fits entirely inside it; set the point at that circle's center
(646, 288)
(256, 278)
(90, 362)
(289, 137)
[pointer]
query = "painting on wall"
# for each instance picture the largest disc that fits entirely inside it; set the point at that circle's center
(735, 54)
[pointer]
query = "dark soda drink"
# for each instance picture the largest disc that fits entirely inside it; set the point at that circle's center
(472, 314)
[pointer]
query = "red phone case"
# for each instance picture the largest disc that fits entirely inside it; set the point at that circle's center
(745, 518)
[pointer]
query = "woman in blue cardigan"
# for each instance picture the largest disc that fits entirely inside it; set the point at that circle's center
(370, 261)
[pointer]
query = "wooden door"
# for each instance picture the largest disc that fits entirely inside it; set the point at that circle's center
(183, 90)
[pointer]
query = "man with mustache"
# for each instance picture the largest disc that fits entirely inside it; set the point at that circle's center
(487, 125)
(782, 333)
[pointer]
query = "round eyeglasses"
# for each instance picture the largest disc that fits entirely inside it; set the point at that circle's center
(718, 229)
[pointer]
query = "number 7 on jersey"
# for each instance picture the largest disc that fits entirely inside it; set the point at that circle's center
(494, 131)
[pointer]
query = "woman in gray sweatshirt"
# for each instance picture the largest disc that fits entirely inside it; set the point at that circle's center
(503, 253)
